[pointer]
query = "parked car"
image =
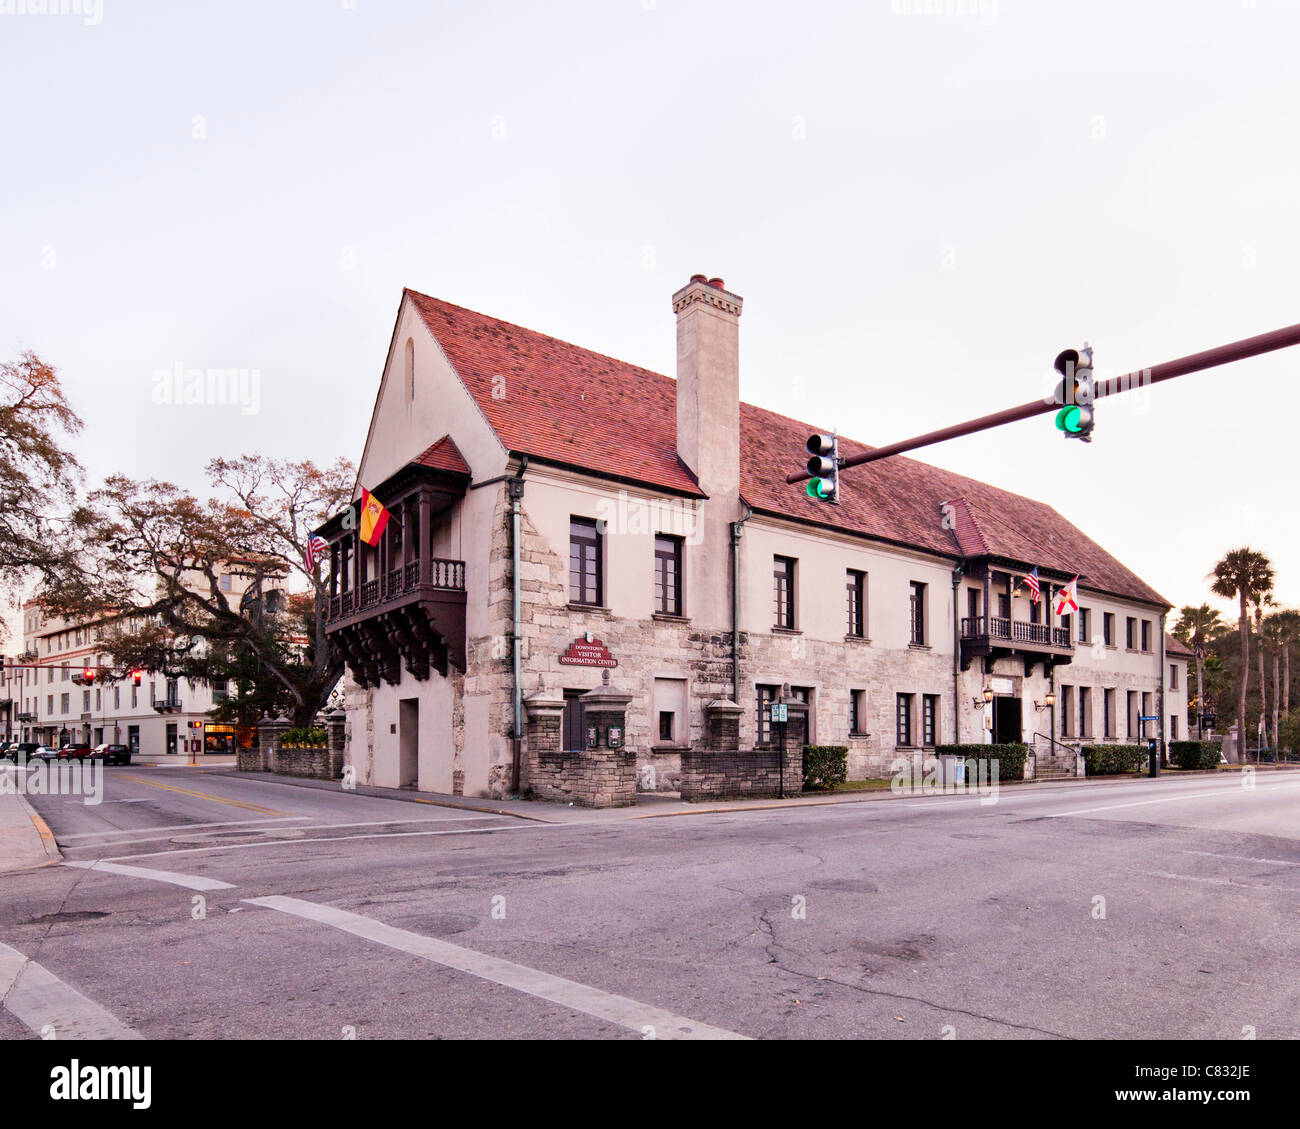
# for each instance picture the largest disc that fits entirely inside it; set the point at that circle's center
(43, 752)
(75, 752)
(16, 749)
(113, 754)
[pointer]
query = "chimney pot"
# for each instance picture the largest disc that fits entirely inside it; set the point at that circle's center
(717, 284)
(699, 278)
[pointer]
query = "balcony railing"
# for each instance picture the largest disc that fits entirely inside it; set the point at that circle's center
(168, 704)
(396, 584)
(1014, 631)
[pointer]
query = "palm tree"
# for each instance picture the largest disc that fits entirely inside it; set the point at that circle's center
(1244, 574)
(1194, 628)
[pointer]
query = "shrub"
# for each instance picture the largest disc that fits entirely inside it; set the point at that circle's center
(1114, 760)
(824, 766)
(1011, 759)
(1195, 754)
(304, 737)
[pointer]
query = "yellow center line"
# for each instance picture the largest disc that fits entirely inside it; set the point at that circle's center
(206, 796)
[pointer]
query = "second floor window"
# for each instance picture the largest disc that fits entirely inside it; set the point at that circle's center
(1130, 633)
(783, 591)
(1085, 616)
(1146, 635)
(668, 575)
(1108, 628)
(918, 612)
(1173, 678)
(585, 580)
(857, 588)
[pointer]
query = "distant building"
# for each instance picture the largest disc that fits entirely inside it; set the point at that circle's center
(646, 506)
(61, 690)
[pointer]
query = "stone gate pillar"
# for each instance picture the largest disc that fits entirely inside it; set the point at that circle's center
(336, 727)
(793, 740)
(610, 768)
(723, 725)
(543, 736)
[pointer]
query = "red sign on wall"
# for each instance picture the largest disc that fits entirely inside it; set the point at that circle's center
(588, 651)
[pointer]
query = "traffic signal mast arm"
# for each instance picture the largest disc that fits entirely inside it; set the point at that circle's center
(1210, 358)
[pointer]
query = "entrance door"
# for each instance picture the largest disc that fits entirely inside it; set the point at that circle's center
(1007, 725)
(408, 743)
(575, 738)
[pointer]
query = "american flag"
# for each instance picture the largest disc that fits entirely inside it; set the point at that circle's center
(1032, 581)
(316, 546)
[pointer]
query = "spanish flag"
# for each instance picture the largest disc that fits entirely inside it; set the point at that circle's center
(373, 518)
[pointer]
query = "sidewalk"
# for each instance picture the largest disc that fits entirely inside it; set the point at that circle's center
(649, 805)
(25, 840)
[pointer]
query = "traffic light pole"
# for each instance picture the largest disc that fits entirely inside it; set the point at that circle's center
(1197, 362)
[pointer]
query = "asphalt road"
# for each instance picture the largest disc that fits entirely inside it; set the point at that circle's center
(325, 914)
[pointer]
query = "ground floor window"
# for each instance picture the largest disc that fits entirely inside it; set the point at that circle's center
(669, 704)
(764, 697)
(929, 719)
(904, 719)
(857, 713)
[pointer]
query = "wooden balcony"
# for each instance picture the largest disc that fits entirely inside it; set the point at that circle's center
(411, 615)
(995, 637)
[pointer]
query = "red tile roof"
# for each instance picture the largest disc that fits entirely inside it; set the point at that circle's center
(570, 405)
(1175, 647)
(444, 455)
(560, 402)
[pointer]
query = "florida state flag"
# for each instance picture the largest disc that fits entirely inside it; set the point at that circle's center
(373, 518)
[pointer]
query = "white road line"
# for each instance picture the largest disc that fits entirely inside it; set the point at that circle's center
(567, 993)
(1161, 800)
(179, 826)
(189, 881)
(199, 828)
(48, 1006)
(1243, 858)
(1204, 879)
(512, 826)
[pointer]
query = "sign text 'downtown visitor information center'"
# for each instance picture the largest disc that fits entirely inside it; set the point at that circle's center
(588, 651)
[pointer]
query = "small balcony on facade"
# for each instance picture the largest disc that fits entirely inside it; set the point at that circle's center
(24, 715)
(400, 602)
(1018, 628)
(169, 703)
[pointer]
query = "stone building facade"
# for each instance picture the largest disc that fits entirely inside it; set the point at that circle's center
(560, 516)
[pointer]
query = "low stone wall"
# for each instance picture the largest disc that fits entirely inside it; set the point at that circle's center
(724, 774)
(250, 759)
(659, 770)
(314, 763)
(593, 778)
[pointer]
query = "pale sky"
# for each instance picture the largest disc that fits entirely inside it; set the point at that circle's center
(921, 201)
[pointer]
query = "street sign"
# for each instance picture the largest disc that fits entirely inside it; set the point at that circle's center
(1149, 717)
(780, 712)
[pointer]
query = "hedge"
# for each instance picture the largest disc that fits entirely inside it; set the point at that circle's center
(824, 766)
(304, 737)
(1195, 754)
(1011, 758)
(1114, 760)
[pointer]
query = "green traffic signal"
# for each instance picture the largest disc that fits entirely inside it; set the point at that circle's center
(1068, 419)
(820, 488)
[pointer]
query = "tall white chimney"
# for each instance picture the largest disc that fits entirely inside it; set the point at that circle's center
(708, 385)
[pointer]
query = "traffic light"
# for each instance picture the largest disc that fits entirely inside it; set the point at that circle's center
(824, 466)
(88, 674)
(135, 678)
(1075, 392)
